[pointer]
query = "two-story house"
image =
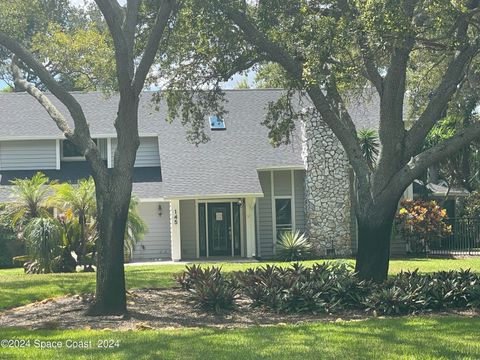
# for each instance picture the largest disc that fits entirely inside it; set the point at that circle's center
(229, 197)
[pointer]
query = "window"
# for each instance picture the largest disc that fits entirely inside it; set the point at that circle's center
(70, 151)
(216, 123)
(283, 215)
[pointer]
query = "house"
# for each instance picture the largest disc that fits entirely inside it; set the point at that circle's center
(230, 197)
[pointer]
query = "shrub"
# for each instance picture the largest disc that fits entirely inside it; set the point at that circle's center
(209, 288)
(420, 222)
(332, 287)
(293, 246)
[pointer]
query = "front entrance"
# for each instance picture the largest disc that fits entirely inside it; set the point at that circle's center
(219, 229)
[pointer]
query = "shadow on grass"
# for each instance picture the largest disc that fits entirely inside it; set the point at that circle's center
(447, 337)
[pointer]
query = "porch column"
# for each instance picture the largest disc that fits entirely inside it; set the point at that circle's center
(250, 226)
(176, 247)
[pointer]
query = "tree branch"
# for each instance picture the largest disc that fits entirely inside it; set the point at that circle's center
(422, 161)
(130, 24)
(113, 14)
(442, 95)
(51, 109)
(81, 135)
(342, 126)
(151, 49)
(371, 69)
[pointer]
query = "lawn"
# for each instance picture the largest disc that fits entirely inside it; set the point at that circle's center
(400, 338)
(16, 288)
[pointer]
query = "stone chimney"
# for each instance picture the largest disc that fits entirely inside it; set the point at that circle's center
(328, 210)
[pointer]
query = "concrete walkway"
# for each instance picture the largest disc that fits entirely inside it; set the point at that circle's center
(195, 261)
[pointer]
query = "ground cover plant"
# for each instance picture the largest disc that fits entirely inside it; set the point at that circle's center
(332, 287)
(17, 288)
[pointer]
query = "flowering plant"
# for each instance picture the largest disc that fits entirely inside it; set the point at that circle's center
(421, 221)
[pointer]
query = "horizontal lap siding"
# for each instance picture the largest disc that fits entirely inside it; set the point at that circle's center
(264, 216)
(147, 154)
(156, 244)
(299, 178)
(188, 229)
(28, 155)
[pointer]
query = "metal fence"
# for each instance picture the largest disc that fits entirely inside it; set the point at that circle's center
(464, 240)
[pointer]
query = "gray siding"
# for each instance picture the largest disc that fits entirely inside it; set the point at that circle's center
(28, 155)
(147, 154)
(156, 244)
(264, 216)
(282, 182)
(102, 145)
(188, 229)
(282, 187)
(299, 179)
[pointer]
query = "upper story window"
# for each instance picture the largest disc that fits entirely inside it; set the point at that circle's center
(70, 152)
(216, 123)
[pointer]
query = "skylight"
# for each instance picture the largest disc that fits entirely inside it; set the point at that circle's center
(216, 123)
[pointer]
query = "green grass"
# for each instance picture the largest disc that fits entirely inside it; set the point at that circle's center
(17, 289)
(400, 338)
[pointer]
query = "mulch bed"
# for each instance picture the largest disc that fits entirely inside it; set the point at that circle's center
(156, 309)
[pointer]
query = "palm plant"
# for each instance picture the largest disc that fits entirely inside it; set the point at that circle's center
(30, 199)
(43, 237)
(78, 200)
(370, 145)
(135, 229)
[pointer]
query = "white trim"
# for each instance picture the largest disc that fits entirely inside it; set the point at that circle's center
(214, 196)
(197, 232)
(61, 137)
(285, 167)
(57, 154)
(175, 235)
(242, 230)
(274, 211)
(148, 200)
(109, 153)
(294, 223)
(207, 252)
(257, 230)
(232, 234)
(251, 240)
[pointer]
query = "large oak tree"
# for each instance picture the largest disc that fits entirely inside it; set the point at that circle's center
(414, 54)
(137, 30)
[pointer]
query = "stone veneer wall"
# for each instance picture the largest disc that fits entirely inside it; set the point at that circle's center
(327, 190)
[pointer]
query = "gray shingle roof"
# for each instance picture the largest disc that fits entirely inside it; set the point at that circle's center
(226, 165)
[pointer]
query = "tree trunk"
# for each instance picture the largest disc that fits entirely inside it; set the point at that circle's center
(373, 254)
(113, 193)
(110, 297)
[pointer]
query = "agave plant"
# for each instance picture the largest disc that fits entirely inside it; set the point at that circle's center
(368, 140)
(293, 246)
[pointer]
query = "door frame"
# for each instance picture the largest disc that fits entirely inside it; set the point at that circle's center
(231, 202)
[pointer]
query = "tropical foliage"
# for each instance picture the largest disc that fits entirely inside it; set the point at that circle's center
(370, 145)
(293, 246)
(332, 288)
(58, 243)
(419, 222)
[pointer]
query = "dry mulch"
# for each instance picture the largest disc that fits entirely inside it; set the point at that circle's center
(155, 309)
